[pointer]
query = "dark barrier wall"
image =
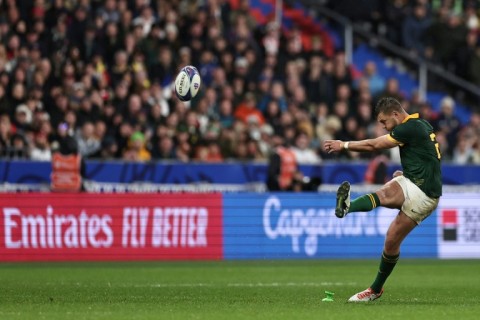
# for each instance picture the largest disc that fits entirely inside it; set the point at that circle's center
(225, 173)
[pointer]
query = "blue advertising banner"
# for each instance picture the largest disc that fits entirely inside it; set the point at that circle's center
(22, 171)
(301, 226)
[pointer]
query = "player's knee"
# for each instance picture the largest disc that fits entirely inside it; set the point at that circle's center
(386, 200)
(382, 196)
(390, 196)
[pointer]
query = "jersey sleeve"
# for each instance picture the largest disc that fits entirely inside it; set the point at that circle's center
(402, 134)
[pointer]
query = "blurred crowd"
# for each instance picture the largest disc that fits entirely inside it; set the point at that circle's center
(96, 77)
(443, 31)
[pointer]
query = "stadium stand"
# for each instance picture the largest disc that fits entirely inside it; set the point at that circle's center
(103, 71)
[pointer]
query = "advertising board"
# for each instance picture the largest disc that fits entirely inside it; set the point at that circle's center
(290, 226)
(459, 226)
(70, 227)
(193, 226)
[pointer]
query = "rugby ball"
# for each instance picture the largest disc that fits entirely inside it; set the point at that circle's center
(187, 83)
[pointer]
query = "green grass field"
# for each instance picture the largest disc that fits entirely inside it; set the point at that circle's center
(417, 289)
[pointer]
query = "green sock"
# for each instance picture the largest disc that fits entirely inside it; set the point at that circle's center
(364, 203)
(386, 266)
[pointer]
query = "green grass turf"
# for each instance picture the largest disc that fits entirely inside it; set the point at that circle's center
(417, 289)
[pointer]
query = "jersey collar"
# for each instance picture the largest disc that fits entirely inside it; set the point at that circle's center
(411, 116)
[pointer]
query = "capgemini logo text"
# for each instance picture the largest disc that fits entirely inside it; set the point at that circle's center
(307, 224)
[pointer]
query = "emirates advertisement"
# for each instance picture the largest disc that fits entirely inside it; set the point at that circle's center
(115, 227)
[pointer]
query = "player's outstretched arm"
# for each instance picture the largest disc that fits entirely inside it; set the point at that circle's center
(368, 145)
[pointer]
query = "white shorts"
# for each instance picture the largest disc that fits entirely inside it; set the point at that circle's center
(417, 206)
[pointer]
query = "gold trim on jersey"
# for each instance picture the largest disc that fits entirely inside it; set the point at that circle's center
(411, 116)
(394, 140)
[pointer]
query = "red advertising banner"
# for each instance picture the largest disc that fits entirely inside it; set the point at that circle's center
(115, 227)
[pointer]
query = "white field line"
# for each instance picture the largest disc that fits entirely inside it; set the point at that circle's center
(244, 285)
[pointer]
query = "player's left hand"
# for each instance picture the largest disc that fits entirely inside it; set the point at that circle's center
(333, 145)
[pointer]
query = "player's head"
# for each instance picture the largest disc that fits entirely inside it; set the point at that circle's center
(390, 113)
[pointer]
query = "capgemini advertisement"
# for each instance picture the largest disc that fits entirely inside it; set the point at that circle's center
(291, 226)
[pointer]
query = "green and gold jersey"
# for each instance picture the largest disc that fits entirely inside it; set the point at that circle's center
(420, 154)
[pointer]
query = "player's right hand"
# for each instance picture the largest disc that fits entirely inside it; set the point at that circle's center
(333, 146)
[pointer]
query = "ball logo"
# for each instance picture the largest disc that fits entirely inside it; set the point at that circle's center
(187, 83)
(180, 87)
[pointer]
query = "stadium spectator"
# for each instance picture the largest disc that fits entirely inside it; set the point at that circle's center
(41, 149)
(277, 93)
(465, 55)
(164, 149)
(463, 151)
(376, 172)
(254, 153)
(473, 73)
(225, 113)
(376, 82)
(339, 69)
(273, 116)
(19, 147)
(394, 15)
(271, 39)
(444, 36)
(476, 154)
(283, 173)
(109, 149)
(78, 25)
(266, 140)
(87, 142)
(318, 84)
(112, 63)
(392, 89)
(414, 29)
(448, 123)
(364, 114)
(302, 151)
(23, 118)
(210, 152)
(470, 136)
(109, 12)
(63, 141)
(5, 135)
(247, 111)
(226, 141)
(344, 95)
(136, 150)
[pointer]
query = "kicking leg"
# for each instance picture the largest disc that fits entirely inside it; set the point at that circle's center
(390, 196)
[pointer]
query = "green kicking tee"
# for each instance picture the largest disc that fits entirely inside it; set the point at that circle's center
(420, 154)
